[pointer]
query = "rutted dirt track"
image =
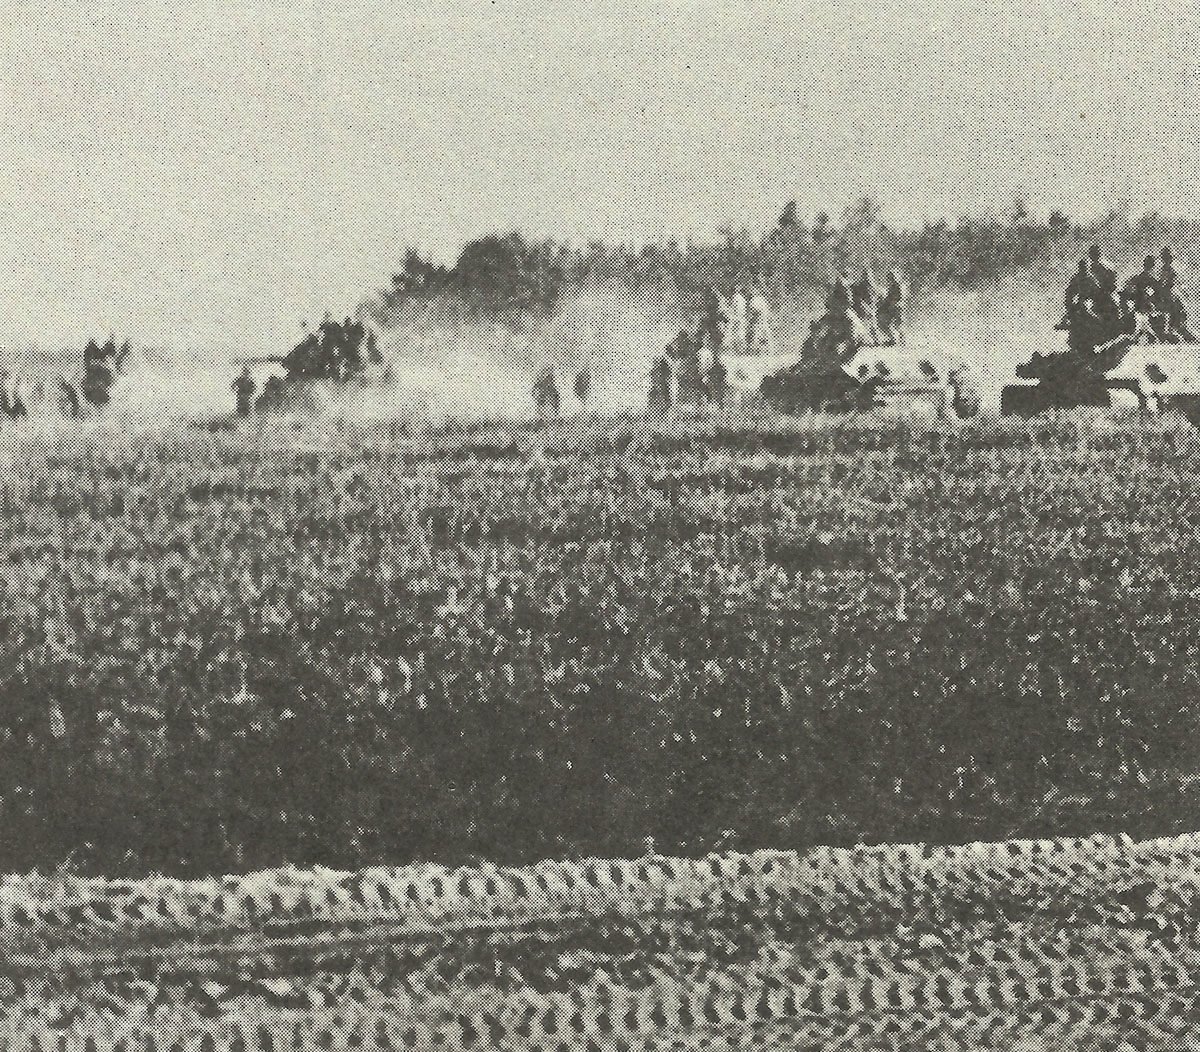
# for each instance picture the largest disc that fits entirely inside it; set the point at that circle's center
(1088, 944)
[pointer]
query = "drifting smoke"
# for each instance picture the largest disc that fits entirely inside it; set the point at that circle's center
(186, 388)
(446, 364)
(992, 330)
(441, 364)
(482, 368)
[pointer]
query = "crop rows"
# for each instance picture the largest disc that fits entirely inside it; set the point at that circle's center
(424, 896)
(334, 648)
(963, 947)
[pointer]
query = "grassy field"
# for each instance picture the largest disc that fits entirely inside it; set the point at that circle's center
(345, 644)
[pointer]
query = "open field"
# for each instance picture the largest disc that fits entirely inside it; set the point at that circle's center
(393, 647)
(358, 643)
(515, 532)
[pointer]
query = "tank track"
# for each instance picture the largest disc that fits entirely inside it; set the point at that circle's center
(1067, 943)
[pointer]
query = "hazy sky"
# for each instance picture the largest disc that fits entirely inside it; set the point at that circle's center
(178, 170)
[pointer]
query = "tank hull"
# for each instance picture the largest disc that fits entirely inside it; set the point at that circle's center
(898, 379)
(1035, 397)
(1152, 377)
(746, 372)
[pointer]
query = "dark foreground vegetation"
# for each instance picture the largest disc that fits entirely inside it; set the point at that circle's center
(231, 650)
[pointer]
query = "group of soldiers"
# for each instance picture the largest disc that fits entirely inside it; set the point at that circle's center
(102, 365)
(739, 323)
(692, 370)
(1147, 307)
(547, 397)
(865, 306)
(335, 351)
(857, 314)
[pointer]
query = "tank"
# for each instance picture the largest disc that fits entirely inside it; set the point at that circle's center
(1111, 358)
(334, 357)
(1118, 373)
(903, 378)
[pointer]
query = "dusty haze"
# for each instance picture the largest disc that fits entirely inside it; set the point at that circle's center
(449, 367)
(207, 176)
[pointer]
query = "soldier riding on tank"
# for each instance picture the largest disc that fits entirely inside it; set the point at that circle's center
(1116, 349)
(890, 312)
(1080, 297)
(1171, 303)
(865, 296)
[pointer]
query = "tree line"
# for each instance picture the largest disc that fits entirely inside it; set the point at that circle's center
(794, 259)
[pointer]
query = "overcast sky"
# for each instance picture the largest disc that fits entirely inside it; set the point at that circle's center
(173, 170)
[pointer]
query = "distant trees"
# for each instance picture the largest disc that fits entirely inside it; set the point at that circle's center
(495, 273)
(503, 272)
(418, 277)
(862, 216)
(795, 258)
